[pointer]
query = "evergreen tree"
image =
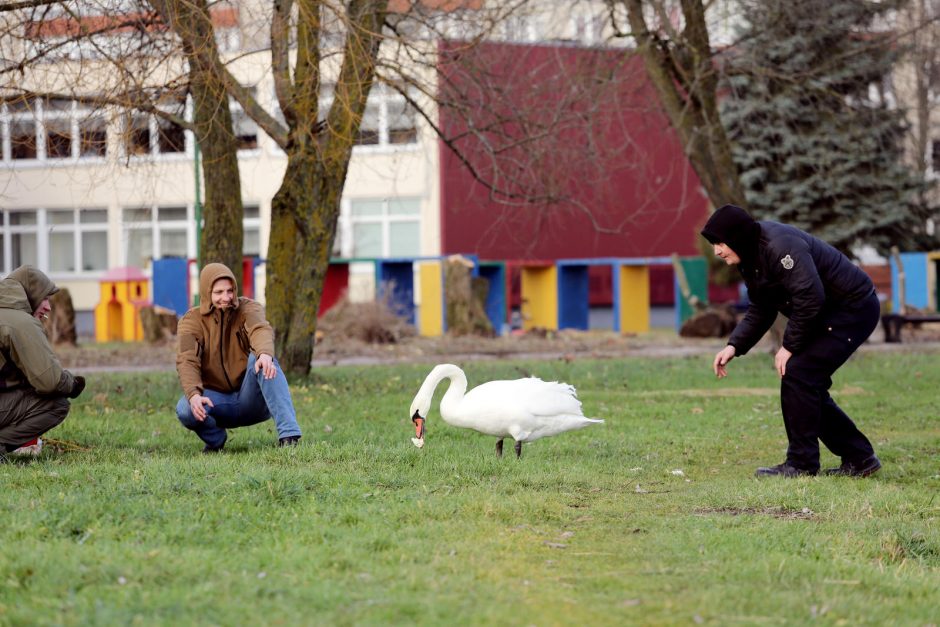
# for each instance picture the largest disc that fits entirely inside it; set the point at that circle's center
(816, 144)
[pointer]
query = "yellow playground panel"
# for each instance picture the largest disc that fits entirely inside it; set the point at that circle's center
(634, 293)
(431, 312)
(123, 292)
(539, 293)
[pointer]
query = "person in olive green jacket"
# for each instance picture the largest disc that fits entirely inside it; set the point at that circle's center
(34, 388)
(226, 366)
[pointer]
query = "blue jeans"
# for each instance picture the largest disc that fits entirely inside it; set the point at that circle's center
(256, 401)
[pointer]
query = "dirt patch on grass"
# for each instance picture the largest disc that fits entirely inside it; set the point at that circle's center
(773, 512)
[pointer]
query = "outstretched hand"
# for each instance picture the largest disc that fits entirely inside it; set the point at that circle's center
(721, 361)
(265, 363)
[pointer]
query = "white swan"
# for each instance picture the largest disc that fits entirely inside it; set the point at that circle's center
(523, 409)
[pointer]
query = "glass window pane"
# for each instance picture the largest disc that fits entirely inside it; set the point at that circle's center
(95, 251)
(93, 137)
(62, 251)
(251, 211)
(366, 207)
(139, 247)
(60, 217)
(23, 139)
(170, 137)
(367, 240)
(252, 242)
(58, 139)
(403, 206)
(137, 140)
(172, 243)
(369, 129)
(93, 216)
(21, 218)
(246, 131)
(23, 249)
(136, 216)
(166, 214)
(401, 123)
(3, 270)
(405, 239)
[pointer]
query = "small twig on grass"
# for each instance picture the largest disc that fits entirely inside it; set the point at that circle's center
(63, 446)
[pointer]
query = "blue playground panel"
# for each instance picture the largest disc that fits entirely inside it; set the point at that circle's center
(916, 282)
(394, 280)
(495, 274)
(171, 283)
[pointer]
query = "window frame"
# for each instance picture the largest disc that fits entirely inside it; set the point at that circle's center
(348, 222)
(43, 230)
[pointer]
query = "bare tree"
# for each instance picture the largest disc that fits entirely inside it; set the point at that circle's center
(680, 61)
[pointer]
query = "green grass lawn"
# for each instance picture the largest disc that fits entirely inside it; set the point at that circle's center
(653, 518)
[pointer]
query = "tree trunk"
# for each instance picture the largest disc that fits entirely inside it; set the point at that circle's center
(304, 213)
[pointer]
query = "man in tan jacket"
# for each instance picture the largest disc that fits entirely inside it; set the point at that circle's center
(225, 361)
(34, 388)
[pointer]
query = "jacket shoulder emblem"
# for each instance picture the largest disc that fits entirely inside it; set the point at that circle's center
(787, 262)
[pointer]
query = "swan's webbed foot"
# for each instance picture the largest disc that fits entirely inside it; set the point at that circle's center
(499, 448)
(518, 449)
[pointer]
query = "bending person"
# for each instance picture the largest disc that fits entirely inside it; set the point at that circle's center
(34, 388)
(832, 309)
(226, 366)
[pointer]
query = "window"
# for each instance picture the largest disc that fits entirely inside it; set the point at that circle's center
(245, 129)
(251, 244)
(384, 228)
(52, 130)
(59, 241)
(156, 232)
(21, 239)
(935, 156)
(152, 135)
(388, 119)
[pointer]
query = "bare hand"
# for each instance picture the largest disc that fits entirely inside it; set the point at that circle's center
(781, 359)
(265, 363)
(721, 360)
(196, 405)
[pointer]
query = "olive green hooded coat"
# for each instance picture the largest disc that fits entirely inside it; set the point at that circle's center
(26, 357)
(214, 343)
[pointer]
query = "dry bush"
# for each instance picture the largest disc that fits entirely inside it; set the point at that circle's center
(372, 322)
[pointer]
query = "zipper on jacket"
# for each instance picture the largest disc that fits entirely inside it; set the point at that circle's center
(222, 347)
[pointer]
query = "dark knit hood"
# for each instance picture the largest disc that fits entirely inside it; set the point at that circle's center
(735, 227)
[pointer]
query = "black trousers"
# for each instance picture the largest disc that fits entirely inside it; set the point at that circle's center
(809, 413)
(25, 415)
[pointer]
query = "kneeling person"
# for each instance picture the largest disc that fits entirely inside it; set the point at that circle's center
(226, 366)
(34, 388)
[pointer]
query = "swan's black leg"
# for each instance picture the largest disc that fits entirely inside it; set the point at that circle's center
(518, 449)
(499, 448)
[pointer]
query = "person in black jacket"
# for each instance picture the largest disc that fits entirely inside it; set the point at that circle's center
(831, 308)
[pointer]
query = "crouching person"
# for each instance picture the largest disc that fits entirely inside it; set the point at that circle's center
(34, 388)
(226, 366)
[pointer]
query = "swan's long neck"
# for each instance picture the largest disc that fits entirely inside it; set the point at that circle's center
(455, 392)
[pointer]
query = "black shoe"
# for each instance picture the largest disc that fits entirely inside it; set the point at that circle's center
(783, 470)
(864, 468)
(215, 449)
(289, 440)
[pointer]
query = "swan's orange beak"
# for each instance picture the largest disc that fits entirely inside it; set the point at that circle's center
(419, 425)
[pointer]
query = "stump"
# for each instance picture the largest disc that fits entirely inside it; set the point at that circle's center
(159, 323)
(712, 322)
(60, 324)
(465, 297)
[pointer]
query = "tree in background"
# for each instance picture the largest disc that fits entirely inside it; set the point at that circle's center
(816, 139)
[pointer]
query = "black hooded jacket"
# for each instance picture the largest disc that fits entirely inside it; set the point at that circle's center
(789, 271)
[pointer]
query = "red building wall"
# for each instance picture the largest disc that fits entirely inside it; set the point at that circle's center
(604, 176)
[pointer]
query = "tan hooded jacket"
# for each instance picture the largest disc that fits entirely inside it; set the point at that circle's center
(214, 344)
(26, 358)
